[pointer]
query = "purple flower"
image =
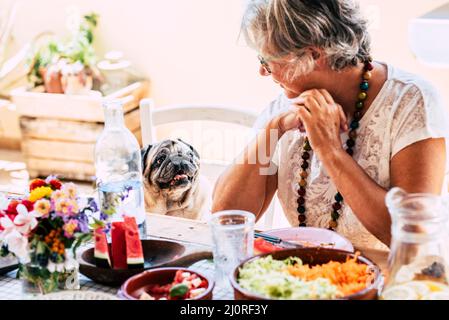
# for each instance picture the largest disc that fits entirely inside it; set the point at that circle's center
(103, 216)
(93, 205)
(83, 223)
(49, 178)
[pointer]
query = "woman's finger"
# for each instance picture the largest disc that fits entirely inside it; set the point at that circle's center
(289, 120)
(310, 103)
(343, 120)
(319, 97)
(327, 96)
(305, 117)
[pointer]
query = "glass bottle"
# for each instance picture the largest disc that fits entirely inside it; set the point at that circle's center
(119, 169)
(418, 261)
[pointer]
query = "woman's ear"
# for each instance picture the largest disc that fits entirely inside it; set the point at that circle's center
(319, 57)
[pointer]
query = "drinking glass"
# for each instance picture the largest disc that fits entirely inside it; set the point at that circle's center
(233, 239)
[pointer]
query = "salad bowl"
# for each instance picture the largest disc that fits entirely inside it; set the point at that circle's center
(135, 286)
(312, 257)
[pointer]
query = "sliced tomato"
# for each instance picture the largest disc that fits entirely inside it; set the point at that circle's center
(157, 289)
(263, 246)
(178, 277)
(203, 284)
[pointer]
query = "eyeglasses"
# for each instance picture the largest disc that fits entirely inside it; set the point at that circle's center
(264, 64)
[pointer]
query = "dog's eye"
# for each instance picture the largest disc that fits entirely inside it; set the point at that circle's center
(160, 159)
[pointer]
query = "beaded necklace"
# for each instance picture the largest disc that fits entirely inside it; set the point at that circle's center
(350, 143)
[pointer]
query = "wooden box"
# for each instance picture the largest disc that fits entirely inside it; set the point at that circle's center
(59, 131)
(9, 126)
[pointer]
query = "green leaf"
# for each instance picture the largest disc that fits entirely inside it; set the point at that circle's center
(97, 224)
(178, 290)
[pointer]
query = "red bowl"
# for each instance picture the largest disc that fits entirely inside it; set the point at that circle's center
(313, 256)
(133, 288)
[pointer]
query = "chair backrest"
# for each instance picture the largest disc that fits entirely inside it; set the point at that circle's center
(150, 117)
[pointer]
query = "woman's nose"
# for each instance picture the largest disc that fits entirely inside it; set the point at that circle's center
(263, 71)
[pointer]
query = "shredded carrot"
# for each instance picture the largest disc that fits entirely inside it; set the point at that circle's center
(349, 277)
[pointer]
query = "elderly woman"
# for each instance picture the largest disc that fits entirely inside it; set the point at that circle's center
(346, 129)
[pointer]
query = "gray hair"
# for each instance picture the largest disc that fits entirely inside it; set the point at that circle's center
(291, 28)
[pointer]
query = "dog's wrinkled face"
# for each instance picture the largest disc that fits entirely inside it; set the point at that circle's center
(171, 166)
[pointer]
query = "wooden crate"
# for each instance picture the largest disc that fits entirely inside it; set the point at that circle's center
(9, 126)
(59, 132)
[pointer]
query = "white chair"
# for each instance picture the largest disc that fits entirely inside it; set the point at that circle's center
(151, 117)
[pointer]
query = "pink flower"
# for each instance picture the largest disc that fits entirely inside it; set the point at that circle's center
(7, 225)
(70, 190)
(70, 227)
(42, 208)
(57, 195)
(66, 206)
(24, 221)
(18, 244)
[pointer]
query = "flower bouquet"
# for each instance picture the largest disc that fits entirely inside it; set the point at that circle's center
(41, 228)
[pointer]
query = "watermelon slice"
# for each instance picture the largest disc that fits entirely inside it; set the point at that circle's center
(263, 246)
(101, 251)
(118, 245)
(134, 251)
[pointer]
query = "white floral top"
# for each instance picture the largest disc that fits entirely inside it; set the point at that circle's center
(407, 109)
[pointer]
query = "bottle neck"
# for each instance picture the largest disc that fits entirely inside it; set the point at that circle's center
(418, 228)
(113, 118)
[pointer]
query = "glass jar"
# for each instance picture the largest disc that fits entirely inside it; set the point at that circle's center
(38, 278)
(418, 260)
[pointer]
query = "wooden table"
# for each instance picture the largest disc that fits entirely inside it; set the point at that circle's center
(169, 228)
(198, 232)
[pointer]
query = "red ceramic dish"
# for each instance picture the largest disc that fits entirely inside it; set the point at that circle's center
(313, 256)
(135, 286)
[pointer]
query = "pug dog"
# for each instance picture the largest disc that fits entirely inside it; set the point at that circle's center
(172, 182)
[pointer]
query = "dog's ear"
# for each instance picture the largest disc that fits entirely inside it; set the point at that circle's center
(144, 154)
(190, 146)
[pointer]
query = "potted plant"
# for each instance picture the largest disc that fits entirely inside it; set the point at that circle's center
(67, 66)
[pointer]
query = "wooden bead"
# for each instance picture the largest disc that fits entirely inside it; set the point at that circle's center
(333, 224)
(304, 165)
(302, 218)
(354, 124)
(350, 143)
(369, 66)
(303, 183)
(307, 146)
(364, 86)
(302, 192)
(304, 174)
(301, 201)
(357, 115)
(305, 156)
(335, 215)
(367, 75)
(338, 197)
(353, 134)
(336, 206)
